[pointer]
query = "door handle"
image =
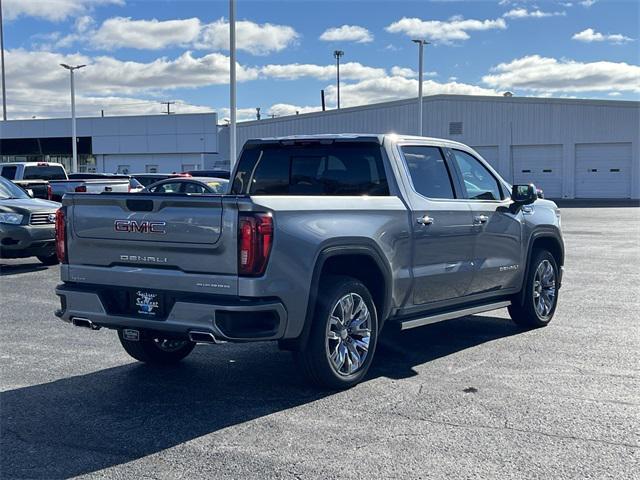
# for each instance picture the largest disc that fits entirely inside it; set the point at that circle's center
(480, 219)
(424, 220)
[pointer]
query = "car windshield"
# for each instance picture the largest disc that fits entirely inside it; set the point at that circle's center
(10, 190)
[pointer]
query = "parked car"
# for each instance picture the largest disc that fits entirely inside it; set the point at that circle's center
(134, 185)
(27, 225)
(59, 182)
(189, 185)
(321, 241)
(209, 173)
(147, 179)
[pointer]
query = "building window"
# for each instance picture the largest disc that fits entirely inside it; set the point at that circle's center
(123, 169)
(151, 168)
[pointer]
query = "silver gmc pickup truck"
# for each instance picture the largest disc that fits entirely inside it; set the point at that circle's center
(320, 242)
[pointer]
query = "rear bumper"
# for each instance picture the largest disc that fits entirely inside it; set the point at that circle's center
(237, 320)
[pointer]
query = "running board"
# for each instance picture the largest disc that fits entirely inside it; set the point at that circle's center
(439, 317)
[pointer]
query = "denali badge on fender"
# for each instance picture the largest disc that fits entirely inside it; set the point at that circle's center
(143, 226)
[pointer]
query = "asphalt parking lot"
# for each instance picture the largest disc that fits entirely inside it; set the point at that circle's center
(468, 398)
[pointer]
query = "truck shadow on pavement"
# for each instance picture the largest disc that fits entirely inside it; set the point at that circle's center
(89, 422)
(7, 269)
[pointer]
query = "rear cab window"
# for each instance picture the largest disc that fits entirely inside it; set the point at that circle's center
(44, 172)
(312, 168)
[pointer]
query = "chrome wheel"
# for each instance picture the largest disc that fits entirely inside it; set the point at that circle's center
(348, 333)
(544, 289)
(169, 345)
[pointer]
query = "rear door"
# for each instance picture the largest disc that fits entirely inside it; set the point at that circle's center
(497, 231)
(441, 227)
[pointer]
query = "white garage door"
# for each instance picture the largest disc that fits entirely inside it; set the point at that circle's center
(540, 165)
(490, 154)
(603, 170)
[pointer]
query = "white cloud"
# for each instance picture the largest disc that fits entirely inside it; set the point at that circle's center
(456, 28)
(347, 33)
(37, 85)
(543, 74)
(614, 94)
(524, 13)
(285, 109)
(125, 32)
(257, 39)
(385, 89)
(588, 3)
(348, 71)
(152, 34)
(409, 73)
(53, 10)
(590, 35)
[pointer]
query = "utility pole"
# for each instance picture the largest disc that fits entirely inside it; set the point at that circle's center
(74, 141)
(168, 104)
(338, 54)
(4, 88)
(421, 44)
(232, 82)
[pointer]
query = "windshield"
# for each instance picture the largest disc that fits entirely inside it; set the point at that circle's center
(10, 190)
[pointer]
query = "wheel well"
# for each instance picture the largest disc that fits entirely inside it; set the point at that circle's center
(552, 246)
(363, 268)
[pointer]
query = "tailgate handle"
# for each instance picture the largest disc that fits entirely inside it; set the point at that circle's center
(140, 205)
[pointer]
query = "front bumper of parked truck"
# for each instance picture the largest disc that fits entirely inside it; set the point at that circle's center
(173, 314)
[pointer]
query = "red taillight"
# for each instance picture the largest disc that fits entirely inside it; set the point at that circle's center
(81, 189)
(255, 237)
(49, 192)
(61, 241)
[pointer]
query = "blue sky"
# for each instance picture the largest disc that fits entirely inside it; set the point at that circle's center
(140, 53)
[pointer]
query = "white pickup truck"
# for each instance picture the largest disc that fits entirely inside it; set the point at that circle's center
(59, 182)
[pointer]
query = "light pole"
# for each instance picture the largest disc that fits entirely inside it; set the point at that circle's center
(338, 54)
(421, 44)
(232, 81)
(4, 88)
(74, 145)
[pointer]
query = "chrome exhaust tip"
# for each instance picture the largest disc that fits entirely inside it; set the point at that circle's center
(203, 337)
(85, 323)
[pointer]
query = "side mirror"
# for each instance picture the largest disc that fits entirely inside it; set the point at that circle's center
(30, 192)
(524, 194)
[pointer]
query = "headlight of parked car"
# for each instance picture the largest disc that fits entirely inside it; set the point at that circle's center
(12, 218)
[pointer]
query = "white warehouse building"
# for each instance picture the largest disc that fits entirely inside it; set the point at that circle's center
(129, 144)
(570, 148)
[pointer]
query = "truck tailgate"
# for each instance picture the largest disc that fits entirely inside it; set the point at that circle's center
(189, 234)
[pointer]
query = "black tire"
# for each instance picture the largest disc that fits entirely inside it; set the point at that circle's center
(150, 350)
(523, 310)
(49, 260)
(316, 359)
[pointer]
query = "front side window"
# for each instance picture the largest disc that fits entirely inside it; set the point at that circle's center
(429, 172)
(479, 183)
(312, 169)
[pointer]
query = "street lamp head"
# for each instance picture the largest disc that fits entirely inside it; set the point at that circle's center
(338, 53)
(420, 41)
(69, 67)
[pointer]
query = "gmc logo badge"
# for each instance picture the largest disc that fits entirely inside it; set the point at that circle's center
(143, 226)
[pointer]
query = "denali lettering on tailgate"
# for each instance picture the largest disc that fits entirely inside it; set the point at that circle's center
(143, 226)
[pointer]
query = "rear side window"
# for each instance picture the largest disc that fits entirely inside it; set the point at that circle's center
(312, 169)
(51, 172)
(429, 172)
(9, 172)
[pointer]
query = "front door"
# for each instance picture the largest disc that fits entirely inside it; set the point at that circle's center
(497, 230)
(442, 228)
